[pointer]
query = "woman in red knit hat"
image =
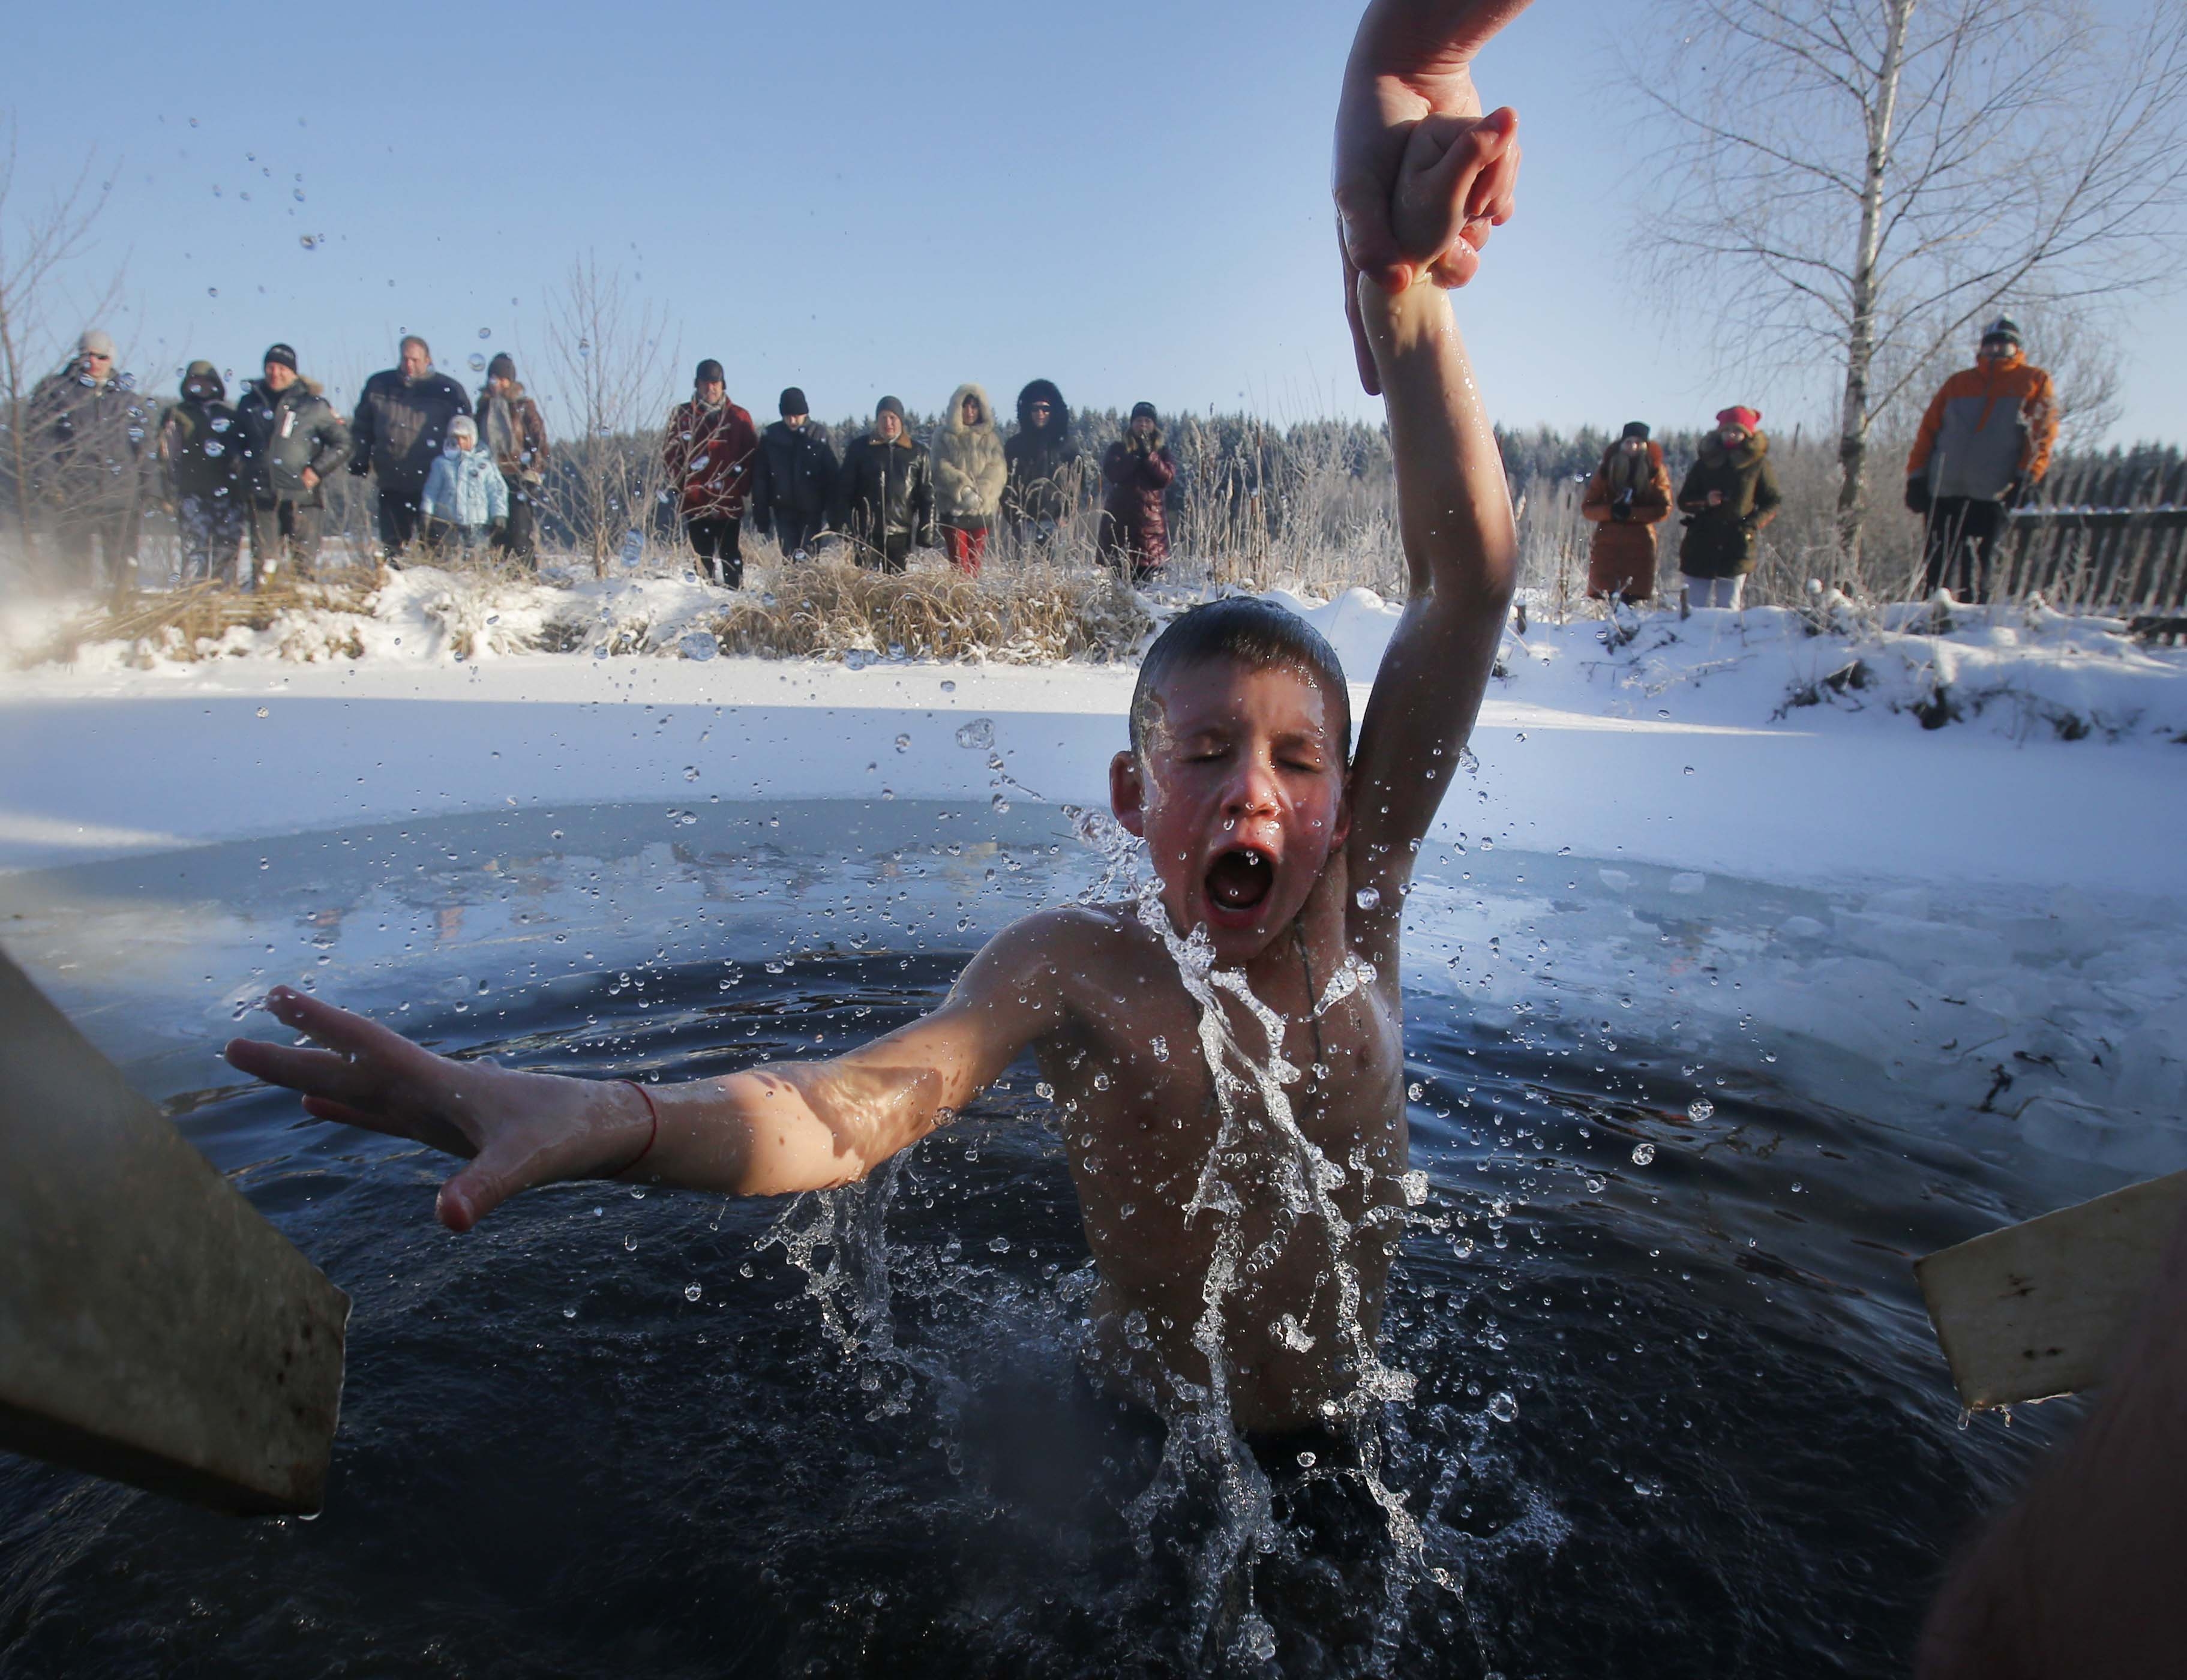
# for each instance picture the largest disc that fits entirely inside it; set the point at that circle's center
(1729, 494)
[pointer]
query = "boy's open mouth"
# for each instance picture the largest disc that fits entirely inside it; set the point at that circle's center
(1240, 878)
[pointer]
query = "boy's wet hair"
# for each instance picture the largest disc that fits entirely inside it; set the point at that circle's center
(1243, 630)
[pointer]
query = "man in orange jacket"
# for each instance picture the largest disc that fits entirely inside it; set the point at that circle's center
(1983, 444)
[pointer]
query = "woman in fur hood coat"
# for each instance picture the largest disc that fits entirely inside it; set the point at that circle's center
(969, 475)
(1628, 496)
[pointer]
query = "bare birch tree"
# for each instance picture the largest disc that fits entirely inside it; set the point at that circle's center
(1857, 184)
(614, 371)
(38, 245)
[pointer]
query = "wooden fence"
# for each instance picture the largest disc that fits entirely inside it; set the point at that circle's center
(2101, 537)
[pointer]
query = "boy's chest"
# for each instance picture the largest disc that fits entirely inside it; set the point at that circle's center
(1143, 1114)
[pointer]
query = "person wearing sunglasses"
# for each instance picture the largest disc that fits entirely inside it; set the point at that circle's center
(92, 440)
(1046, 472)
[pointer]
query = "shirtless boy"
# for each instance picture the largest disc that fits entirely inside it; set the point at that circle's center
(1284, 859)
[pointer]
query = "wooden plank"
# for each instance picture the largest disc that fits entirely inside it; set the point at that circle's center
(154, 1328)
(2040, 1309)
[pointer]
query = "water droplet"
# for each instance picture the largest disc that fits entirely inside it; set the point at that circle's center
(903, 744)
(691, 772)
(630, 1243)
(1689, 770)
(486, 332)
(1160, 1046)
(569, 1312)
(948, 688)
(1367, 898)
(1643, 1154)
(212, 291)
(1503, 1407)
(308, 241)
(297, 194)
(261, 712)
(1700, 1109)
(691, 1292)
(1046, 1091)
(979, 733)
(478, 362)
(1000, 803)
(999, 1245)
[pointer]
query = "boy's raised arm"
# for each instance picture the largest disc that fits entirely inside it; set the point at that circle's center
(1454, 514)
(768, 1130)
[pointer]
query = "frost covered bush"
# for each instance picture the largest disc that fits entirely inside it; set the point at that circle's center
(1022, 615)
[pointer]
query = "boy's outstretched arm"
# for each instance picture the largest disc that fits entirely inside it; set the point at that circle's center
(768, 1130)
(1461, 548)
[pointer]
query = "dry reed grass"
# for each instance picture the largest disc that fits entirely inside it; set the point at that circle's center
(173, 624)
(1026, 614)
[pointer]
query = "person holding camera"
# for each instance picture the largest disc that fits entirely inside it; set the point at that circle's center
(1628, 497)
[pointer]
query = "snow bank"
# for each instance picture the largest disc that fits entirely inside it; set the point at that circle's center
(1774, 744)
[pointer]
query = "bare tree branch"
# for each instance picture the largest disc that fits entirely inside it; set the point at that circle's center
(1864, 180)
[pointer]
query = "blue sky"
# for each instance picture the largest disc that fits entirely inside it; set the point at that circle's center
(854, 196)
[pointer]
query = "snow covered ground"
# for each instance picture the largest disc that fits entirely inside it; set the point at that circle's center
(1739, 827)
(1742, 743)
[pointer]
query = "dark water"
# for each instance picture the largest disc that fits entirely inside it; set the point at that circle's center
(1675, 1419)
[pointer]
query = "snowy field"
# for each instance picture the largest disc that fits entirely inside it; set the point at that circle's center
(1979, 828)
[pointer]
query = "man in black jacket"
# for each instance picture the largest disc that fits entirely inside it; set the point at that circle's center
(90, 438)
(884, 492)
(794, 479)
(401, 421)
(292, 440)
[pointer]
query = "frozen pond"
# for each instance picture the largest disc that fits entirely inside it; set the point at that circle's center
(1679, 1409)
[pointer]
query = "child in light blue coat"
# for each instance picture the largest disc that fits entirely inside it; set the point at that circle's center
(466, 498)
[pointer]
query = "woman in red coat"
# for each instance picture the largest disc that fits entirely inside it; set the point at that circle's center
(708, 451)
(1628, 497)
(1138, 470)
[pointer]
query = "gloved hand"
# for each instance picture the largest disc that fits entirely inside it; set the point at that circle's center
(1917, 495)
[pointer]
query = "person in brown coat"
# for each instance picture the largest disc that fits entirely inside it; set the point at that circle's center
(509, 425)
(1628, 496)
(1138, 470)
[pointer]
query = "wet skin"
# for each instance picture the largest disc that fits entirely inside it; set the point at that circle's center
(1241, 793)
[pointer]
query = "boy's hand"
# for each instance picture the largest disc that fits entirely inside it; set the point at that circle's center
(1410, 60)
(1446, 160)
(518, 1129)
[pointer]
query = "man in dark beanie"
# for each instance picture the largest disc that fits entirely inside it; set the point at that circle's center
(1134, 539)
(1983, 444)
(509, 426)
(793, 479)
(884, 493)
(708, 451)
(401, 421)
(293, 441)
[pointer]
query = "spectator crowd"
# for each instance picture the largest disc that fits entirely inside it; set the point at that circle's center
(455, 472)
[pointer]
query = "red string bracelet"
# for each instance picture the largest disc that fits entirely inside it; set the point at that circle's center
(651, 1138)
